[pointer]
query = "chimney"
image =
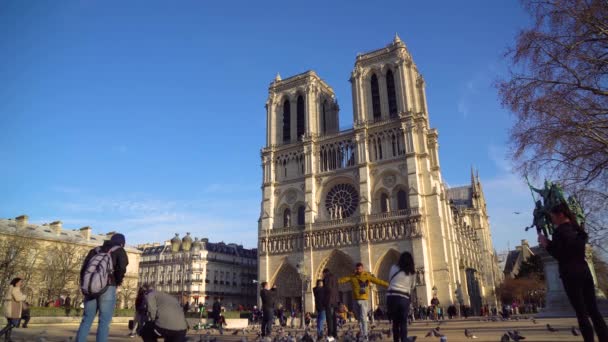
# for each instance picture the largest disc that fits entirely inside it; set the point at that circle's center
(524, 242)
(21, 221)
(56, 227)
(86, 232)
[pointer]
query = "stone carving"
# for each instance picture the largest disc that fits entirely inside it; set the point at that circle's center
(277, 192)
(420, 276)
(291, 197)
(389, 181)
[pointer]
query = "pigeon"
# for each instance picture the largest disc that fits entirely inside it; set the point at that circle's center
(574, 332)
(515, 336)
(236, 332)
(550, 328)
(443, 339)
(468, 334)
(412, 338)
(534, 321)
(434, 332)
(505, 338)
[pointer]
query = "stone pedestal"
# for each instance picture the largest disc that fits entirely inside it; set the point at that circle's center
(556, 300)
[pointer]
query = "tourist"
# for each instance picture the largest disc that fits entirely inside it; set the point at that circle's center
(330, 286)
(568, 248)
(167, 317)
(13, 305)
(140, 312)
(320, 304)
(268, 298)
(216, 314)
(360, 282)
(67, 304)
(103, 302)
(25, 315)
(398, 295)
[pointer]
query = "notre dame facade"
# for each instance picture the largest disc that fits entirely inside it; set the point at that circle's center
(333, 198)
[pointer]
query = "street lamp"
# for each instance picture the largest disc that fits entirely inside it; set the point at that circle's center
(304, 278)
(185, 244)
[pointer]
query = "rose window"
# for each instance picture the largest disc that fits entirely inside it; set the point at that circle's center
(341, 201)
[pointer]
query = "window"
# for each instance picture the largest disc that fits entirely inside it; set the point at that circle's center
(286, 122)
(301, 215)
(375, 97)
(384, 203)
(392, 96)
(287, 218)
(300, 118)
(401, 200)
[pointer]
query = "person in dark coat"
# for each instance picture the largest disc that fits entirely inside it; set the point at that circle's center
(320, 305)
(67, 304)
(106, 302)
(330, 286)
(216, 313)
(268, 302)
(568, 248)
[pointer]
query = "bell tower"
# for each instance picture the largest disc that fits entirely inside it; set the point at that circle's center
(302, 105)
(386, 83)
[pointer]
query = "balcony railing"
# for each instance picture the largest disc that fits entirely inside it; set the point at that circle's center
(394, 214)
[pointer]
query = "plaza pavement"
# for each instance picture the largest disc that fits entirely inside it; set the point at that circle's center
(453, 329)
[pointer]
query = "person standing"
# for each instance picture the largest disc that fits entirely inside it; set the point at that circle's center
(105, 302)
(330, 286)
(320, 305)
(217, 314)
(268, 298)
(398, 296)
(67, 304)
(568, 248)
(166, 317)
(360, 282)
(13, 305)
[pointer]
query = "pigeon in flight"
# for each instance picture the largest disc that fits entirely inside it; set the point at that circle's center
(550, 328)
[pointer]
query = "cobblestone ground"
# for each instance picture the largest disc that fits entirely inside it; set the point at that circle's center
(452, 329)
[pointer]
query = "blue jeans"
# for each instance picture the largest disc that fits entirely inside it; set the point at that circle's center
(320, 320)
(361, 309)
(105, 305)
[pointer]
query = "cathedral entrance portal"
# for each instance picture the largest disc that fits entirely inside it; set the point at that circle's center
(340, 265)
(289, 287)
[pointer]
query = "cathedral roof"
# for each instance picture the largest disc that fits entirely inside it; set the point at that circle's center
(461, 196)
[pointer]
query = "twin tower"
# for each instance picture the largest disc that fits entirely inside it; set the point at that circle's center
(333, 198)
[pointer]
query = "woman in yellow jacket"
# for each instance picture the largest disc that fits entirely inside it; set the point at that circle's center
(13, 304)
(360, 281)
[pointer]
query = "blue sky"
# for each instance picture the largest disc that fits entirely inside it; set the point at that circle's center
(147, 117)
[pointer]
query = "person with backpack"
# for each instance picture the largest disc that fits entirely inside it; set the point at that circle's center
(102, 272)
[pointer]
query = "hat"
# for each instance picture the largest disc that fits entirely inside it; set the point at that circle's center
(118, 239)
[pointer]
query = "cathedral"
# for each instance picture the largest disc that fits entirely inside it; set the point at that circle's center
(332, 198)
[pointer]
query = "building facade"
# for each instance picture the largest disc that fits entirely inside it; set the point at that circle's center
(199, 271)
(333, 198)
(49, 258)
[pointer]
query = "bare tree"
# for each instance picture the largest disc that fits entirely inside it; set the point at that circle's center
(18, 254)
(61, 265)
(127, 292)
(558, 90)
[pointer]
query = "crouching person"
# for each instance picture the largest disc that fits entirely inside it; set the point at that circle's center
(165, 318)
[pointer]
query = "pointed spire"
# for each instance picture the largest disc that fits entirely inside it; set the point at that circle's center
(397, 40)
(277, 77)
(472, 177)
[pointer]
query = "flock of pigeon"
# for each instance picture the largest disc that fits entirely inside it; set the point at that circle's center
(350, 334)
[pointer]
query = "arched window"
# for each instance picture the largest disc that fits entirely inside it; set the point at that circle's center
(287, 218)
(300, 118)
(384, 203)
(392, 95)
(401, 200)
(286, 122)
(375, 97)
(301, 215)
(324, 118)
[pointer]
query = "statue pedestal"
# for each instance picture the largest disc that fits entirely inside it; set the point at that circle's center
(556, 300)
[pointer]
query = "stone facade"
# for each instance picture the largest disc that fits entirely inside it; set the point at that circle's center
(202, 272)
(333, 198)
(49, 258)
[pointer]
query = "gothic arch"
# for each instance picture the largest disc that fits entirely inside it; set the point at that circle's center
(289, 285)
(377, 200)
(382, 269)
(340, 264)
(285, 116)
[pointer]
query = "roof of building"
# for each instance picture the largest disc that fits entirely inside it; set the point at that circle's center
(219, 247)
(461, 196)
(47, 232)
